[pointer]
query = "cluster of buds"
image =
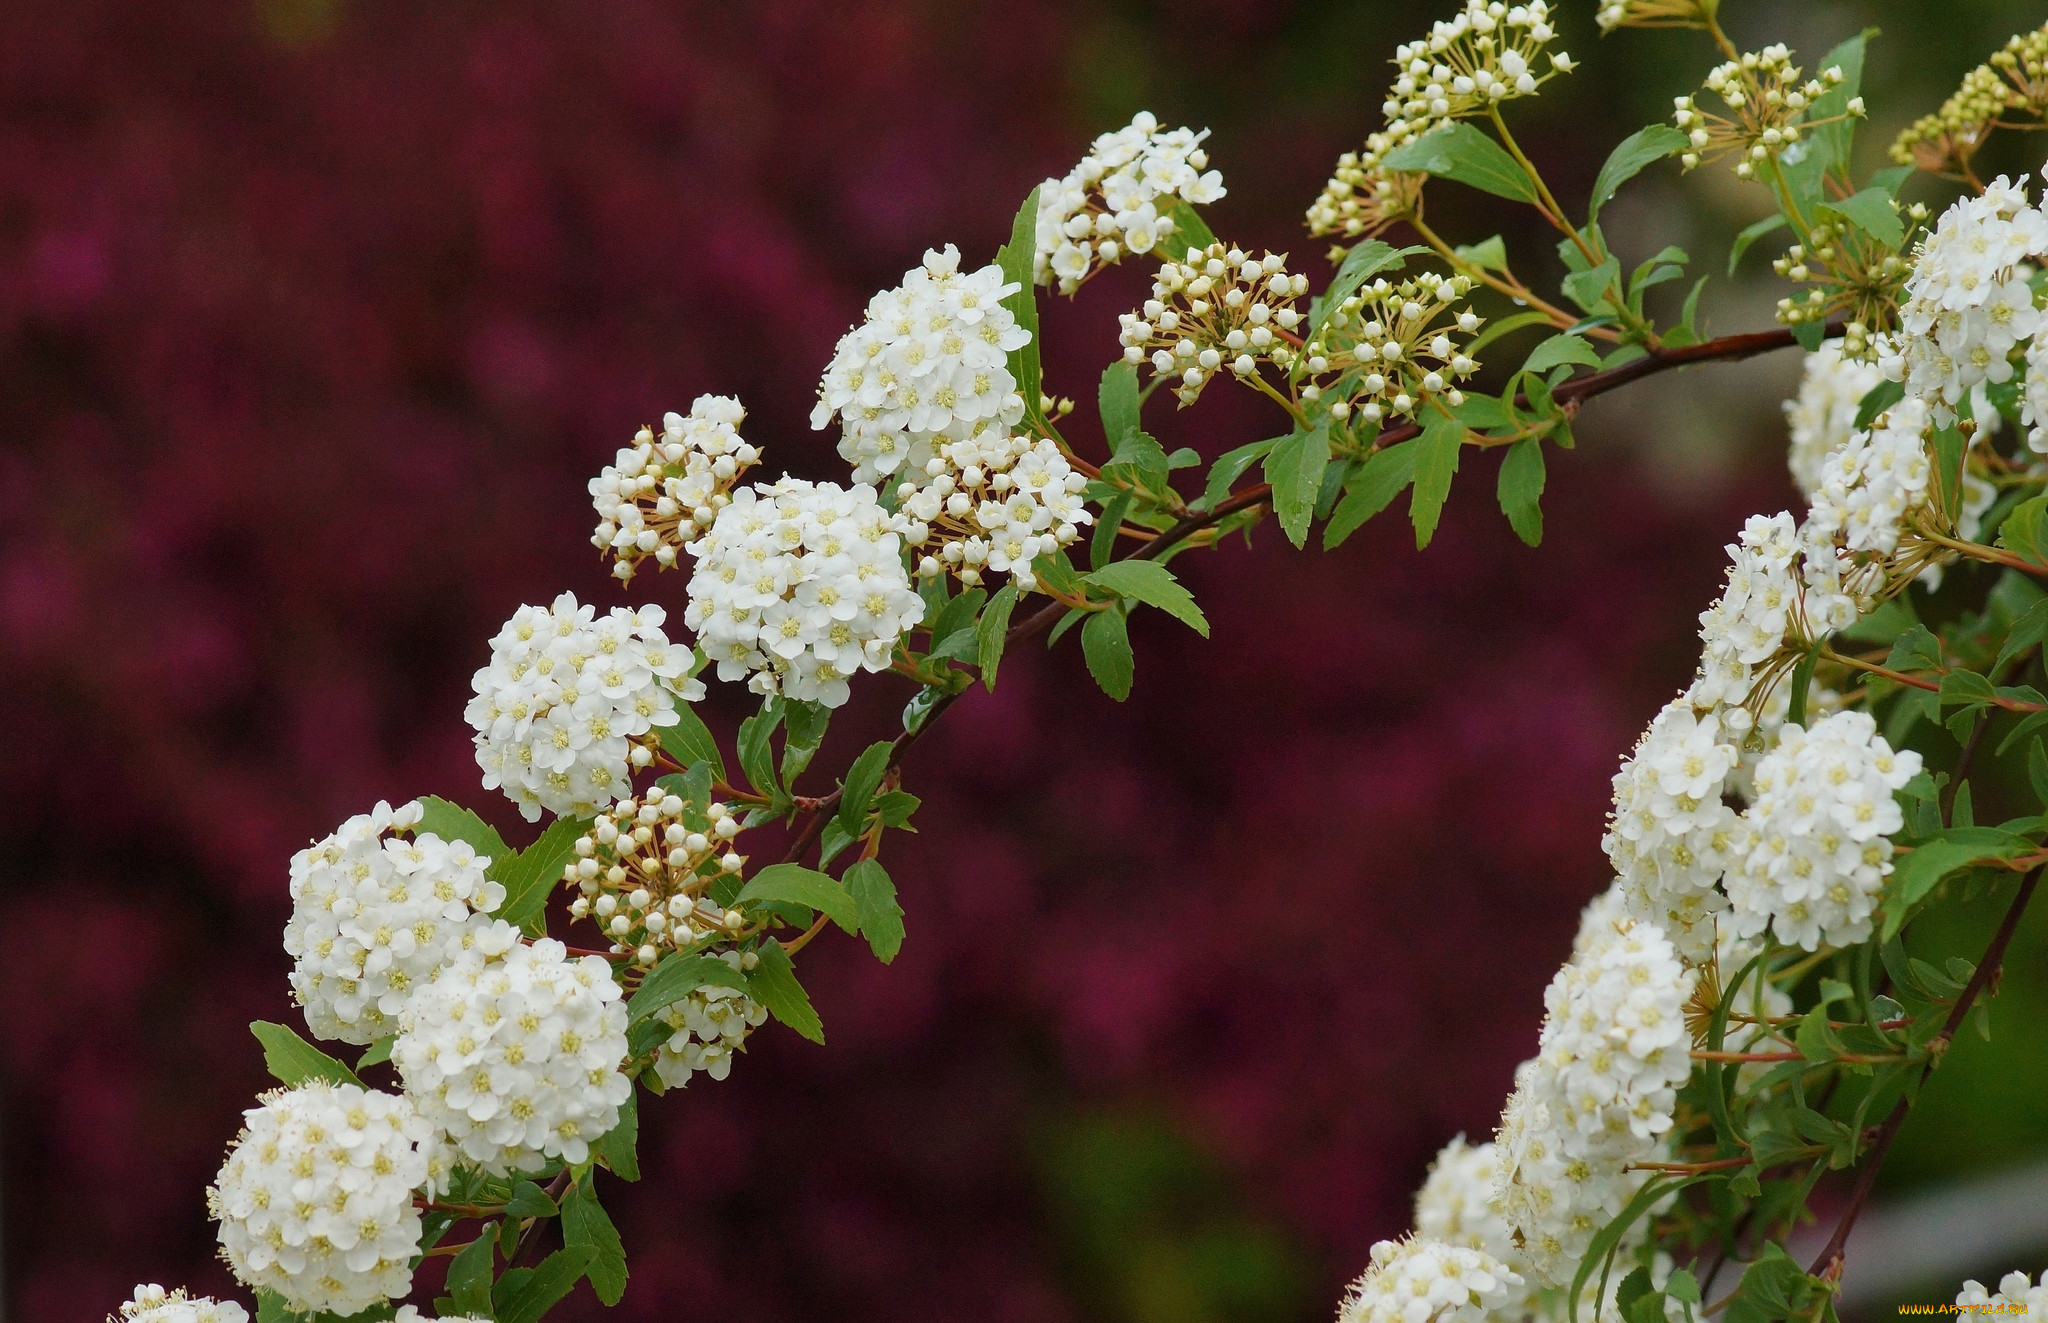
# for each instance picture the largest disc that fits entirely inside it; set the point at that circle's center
(1221, 307)
(2013, 82)
(994, 502)
(1387, 349)
(1119, 199)
(1849, 274)
(662, 491)
(643, 869)
(1614, 14)
(1767, 107)
(1487, 54)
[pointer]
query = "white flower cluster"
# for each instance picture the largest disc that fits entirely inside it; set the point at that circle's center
(1817, 854)
(1220, 307)
(1670, 836)
(1749, 622)
(1599, 1094)
(1823, 414)
(643, 868)
(659, 491)
(1389, 349)
(375, 915)
(799, 585)
(1419, 1280)
(567, 707)
(1968, 303)
(1455, 1204)
(993, 503)
(930, 360)
(1869, 486)
(1614, 14)
(1767, 110)
(516, 1060)
(153, 1304)
(709, 1025)
(2034, 401)
(1119, 199)
(315, 1199)
(1487, 54)
(2018, 1296)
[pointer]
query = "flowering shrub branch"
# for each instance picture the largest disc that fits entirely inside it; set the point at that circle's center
(1738, 1004)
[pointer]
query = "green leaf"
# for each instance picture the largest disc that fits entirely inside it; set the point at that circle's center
(469, 1278)
(452, 822)
(1117, 401)
(1682, 1285)
(533, 875)
(1016, 259)
(690, 742)
(1880, 397)
(2021, 531)
(529, 1200)
(1153, 584)
(1829, 145)
(1636, 1286)
(675, 978)
(993, 632)
(1295, 467)
(1916, 650)
(1609, 1236)
(1561, 349)
(619, 1147)
(585, 1223)
(1750, 235)
(1814, 1039)
(1461, 152)
(1802, 681)
(525, 1299)
(773, 983)
(802, 886)
(1590, 288)
(377, 1053)
(1189, 229)
(1521, 489)
(1361, 264)
(861, 780)
(1106, 643)
(1942, 854)
(1505, 326)
(1873, 212)
(1102, 544)
(1229, 467)
(881, 918)
(294, 1061)
(2026, 632)
(757, 755)
(1491, 254)
(1960, 688)
(1370, 489)
(1628, 159)
(1436, 462)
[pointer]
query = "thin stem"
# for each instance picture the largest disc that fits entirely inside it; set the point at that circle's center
(1548, 206)
(1507, 285)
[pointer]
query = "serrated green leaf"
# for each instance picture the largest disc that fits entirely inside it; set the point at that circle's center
(1370, 489)
(1436, 463)
(469, 1278)
(1117, 402)
(529, 1200)
(1946, 852)
(1873, 212)
(1017, 259)
(1521, 489)
(531, 877)
(1750, 235)
(1628, 159)
(1229, 467)
(1362, 263)
(795, 884)
(757, 754)
(1682, 1285)
(1459, 151)
(881, 917)
(1590, 289)
(1915, 650)
(1106, 644)
(1494, 330)
(533, 1295)
(689, 741)
(1153, 584)
(675, 978)
(1294, 469)
(619, 1147)
(1189, 229)
(1102, 543)
(861, 781)
(1490, 254)
(1561, 349)
(773, 983)
(993, 631)
(1876, 400)
(294, 1061)
(585, 1223)
(452, 822)
(377, 1053)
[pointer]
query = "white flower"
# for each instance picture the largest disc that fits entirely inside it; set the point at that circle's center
(315, 1199)
(516, 1060)
(800, 585)
(2034, 405)
(1823, 414)
(567, 707)
(658, 492)
(1816, 850)
(1455, 1206)
(643, 873)
(1554, 1196)
(153, 1304)
(375, 915)
(2018, 1295)
(930, 360)
(710, 1025)
(993, 503)
(1869, 486)
(1750, 621)
(1670, 836)
(1418, 1280)
(1118, 199)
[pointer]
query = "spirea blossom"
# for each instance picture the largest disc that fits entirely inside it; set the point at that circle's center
(993, 503)
(1750, 621)
(1390, 348)
(1455, 1204)
(1765, 108)
(153, 1304)
(1670, 836)
(516, 1060)
(799, 585)
(1220, 307)
(656, 495)
(1869, 486)
(2011, 86)
(1614, 14)
(1554, 1194)
(2018, 1297)
(930, 360)
(569, 703)
(644, 870)
(1968, 304)
(1613, 1047)
(1119, 199)
(1816, 850)
(710, 1025)
(375, 915)
(1823, 414)
(315, 1199)
(2034, 402)
(1418, 1280)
